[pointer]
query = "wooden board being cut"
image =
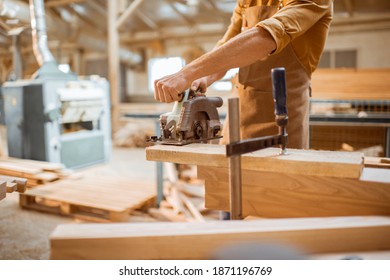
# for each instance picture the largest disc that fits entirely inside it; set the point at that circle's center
(278, 195)
(201, 240)
(307, 162)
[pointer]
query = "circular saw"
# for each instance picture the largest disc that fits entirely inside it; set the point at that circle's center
(194, 119)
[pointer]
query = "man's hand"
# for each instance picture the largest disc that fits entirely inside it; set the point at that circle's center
(200, 86)
(170, 88)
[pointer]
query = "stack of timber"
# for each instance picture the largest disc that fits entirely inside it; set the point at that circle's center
(11, 184)
(203, 240)
(351, 84)
(92, 198)
(350, 106)
(303, 183)
(35, 172)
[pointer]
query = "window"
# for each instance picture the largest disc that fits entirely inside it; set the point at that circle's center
(346, 59)
(338, 59)
(225, 83)
(162, 66)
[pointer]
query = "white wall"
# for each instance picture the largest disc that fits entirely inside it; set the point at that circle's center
(373, 47)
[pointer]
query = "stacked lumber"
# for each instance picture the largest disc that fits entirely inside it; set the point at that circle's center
(303, 183)
(36, 172)
(351, 84)
(202, 240)
(132, 134)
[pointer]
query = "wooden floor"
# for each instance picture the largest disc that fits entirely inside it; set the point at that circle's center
(24, 234)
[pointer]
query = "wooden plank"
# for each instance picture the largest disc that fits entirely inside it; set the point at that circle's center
(9, 166)
(308, 162)
(56, 3)
(347, 84)
(377, 162)
(200, 240)
(275, 195)
(191, 207)
(41, 165)
(34, 175)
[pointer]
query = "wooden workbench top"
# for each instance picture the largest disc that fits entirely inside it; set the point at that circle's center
(307, 162)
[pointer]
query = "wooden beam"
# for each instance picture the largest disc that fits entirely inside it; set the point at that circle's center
(56, 3)
(186, 19)
(147, 20)
(283, 195)
(98, 7)
(86, 23)
(128, 12)
(4, 26)
(113, 62)
(200, 240)
(308, 162)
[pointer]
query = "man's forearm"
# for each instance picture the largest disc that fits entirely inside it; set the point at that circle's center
(244, 49)
(215, 77)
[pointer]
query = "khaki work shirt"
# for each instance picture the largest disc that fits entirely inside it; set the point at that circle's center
(303, 23)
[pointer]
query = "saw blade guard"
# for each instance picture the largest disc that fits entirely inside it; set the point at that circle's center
(193, 119)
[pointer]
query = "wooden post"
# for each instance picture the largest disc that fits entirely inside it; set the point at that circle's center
(113, 62)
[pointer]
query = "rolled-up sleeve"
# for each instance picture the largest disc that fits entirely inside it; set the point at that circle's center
(294, 19)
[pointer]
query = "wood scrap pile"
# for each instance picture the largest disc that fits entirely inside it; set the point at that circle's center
(183, 202)
(35, 172)
(372, 151)
(11, 184)
(132, 134)
(179, 205)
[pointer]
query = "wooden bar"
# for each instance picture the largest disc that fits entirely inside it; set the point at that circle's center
(201, 240)
(276, 195)
(307, 162)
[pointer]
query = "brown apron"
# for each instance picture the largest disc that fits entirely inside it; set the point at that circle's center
(255, 91)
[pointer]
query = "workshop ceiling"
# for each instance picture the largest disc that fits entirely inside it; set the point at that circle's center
(157, 19)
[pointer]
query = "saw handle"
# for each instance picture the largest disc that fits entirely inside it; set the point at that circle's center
(278, 76)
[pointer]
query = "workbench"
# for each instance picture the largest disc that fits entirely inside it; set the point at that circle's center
(303, 183)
